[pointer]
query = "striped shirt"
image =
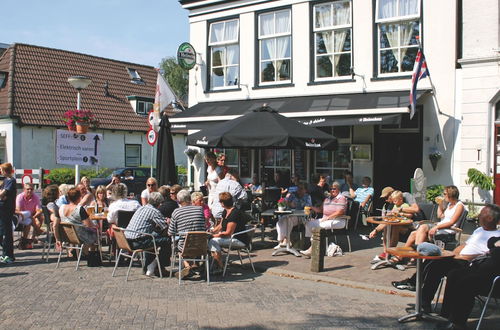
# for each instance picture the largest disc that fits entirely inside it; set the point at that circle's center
(332, 205)
(146, 219)
(184, 219)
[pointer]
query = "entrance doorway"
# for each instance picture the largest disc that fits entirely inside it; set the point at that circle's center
(397, 153)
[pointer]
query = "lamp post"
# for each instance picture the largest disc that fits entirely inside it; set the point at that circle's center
(79, 83)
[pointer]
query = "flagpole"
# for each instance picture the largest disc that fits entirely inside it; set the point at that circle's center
(430, 80)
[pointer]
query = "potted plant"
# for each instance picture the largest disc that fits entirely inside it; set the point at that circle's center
(434, 157)
(281, 204)
(434, 193)
(478, 179)
(191, 153)
(80, 120)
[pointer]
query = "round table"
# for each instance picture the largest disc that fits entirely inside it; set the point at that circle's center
(398, 221)
(408, 252)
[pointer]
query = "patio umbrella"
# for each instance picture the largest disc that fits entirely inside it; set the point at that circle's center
(166, 172)
(263, 128)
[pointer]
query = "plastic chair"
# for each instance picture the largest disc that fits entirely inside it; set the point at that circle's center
(428, 211)
(48, 242)
(352, 213)
(490, 294)
(195, 249)
(70, 236)
(250, 231)
(451, 240)
(127, 252)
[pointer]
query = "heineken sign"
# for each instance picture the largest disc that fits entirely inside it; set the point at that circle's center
(186, 56)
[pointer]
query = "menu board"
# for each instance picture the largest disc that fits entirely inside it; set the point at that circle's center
(245, 163)
(299, 161)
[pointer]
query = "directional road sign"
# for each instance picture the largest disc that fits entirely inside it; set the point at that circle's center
(78, 149)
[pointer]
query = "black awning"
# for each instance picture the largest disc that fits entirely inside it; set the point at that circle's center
(323, 121)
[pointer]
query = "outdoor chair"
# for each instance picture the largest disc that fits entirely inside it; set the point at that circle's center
(352, 213)
(195, 249)
(363, 213)
(124, 218)
(450, 241)
(428, 211)
(70, 240)
(127, 251)
(270, 197)
(47, 244)
(491, 293)
(250, 231)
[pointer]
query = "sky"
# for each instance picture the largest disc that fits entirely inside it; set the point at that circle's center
(137, 31)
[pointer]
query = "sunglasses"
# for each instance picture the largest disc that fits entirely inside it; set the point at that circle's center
(333, 189)
(151, 185)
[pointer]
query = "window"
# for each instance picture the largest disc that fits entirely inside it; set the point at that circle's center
(224, 54)
(132, 155)
(134, 75)
(332, 40)
(275, 51)
(334, 163)
(144, 107)
(277, 165)
(398, 25)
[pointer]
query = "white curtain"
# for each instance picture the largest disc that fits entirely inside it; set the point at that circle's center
(342, 16)
(408, 7)
(340, 36)
(323, 16)
(283, 22)
(231, 31)
(282, 51)
(217, 33)
(387, 8)
(266, 24)
(406, 34)
(341, 13)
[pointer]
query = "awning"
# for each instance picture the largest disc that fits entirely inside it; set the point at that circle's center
(324, 110)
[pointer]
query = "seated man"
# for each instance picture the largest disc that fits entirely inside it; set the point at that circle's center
(334, 207)
(28, 206)
(464, 284)
(348, 184)
(121, 203)
(185, 218)
(148, 219)
(363, 194)
(298, 201)
(475, 246)
(231, 185)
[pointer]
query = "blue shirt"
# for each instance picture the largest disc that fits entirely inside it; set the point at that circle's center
(362, 193)
(299, 202)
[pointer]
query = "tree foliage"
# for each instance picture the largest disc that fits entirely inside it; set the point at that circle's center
(176, 76)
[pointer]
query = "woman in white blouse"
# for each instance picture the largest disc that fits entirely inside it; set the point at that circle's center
(214, 173)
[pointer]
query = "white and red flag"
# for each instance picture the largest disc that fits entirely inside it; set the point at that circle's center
(164, 98)
(420, 71)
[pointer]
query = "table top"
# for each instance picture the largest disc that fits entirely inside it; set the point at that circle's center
(398, 221)
(408, 252)
(98, 216)
(271, 212)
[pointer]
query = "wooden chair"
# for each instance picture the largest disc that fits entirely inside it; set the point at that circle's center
(195, 249)
(70, 237)
(127, 251)
(250, 231)
(47, 244)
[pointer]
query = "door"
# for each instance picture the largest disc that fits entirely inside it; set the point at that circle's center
(496, 194)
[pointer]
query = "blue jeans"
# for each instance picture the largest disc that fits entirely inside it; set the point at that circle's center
(146, 242)
(6, 234)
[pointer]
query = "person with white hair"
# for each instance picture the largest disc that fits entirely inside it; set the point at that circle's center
(120, 202)
(148, 219)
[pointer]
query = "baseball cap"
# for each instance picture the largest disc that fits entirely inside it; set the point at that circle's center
(386, 192)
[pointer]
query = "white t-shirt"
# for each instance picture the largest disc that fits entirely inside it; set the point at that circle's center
(145, 194)
(477, 242)
(450, 212)
(121, 204)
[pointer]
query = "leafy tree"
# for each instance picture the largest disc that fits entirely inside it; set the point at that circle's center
(478, 179)
(176, 76)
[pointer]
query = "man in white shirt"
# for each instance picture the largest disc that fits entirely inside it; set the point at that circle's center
(231, 185)
(121, 202)
(476, 245)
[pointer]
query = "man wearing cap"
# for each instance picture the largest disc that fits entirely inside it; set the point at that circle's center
(475, 246)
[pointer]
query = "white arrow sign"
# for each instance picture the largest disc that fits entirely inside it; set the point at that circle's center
(78, 149)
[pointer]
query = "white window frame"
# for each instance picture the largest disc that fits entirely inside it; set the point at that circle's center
(147, 106)
(346, 142)
(127, 164)
(274, 36)
(394, 20)
(224, 44)
(332, 28)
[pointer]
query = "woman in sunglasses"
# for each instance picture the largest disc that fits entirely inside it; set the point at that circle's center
(334, 207)
(151, 186)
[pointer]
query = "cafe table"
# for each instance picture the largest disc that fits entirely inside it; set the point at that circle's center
(389, 221)
(408, 252)
(298, 213)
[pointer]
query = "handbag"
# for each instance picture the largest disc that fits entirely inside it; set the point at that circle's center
(94, 259)
(334, 250)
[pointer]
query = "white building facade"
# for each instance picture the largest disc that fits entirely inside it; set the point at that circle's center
(346, 66)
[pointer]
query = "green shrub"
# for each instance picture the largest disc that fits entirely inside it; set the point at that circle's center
(434, 191)
(67, 175)
(181, 170)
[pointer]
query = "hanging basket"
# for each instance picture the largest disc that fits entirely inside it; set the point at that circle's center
(434, 162)
(82, 128)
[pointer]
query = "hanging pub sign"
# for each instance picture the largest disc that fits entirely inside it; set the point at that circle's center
(186, 56)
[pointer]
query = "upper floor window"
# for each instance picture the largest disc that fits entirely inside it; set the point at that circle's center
(398, 25)
(224, 54)
(275, 49)
(332, 39)
(134, 75)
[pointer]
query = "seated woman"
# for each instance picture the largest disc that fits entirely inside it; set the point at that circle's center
(298, 201)
(49, 196)
(76, 214)
(197, 200)
(101, 198)
(333, 209)
(232, 222)
(449, 217)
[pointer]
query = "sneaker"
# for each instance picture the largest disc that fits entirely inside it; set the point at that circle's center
(375, 260)
(307, 253)
(404, 285)
(6, 260)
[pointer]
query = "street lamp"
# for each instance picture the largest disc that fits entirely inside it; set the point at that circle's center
(79, 83)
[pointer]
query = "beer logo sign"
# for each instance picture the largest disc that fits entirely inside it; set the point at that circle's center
(186, 56)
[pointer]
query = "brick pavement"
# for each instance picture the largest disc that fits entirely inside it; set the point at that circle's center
(34, 295)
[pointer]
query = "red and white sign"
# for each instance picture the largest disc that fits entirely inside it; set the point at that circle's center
(152, 137)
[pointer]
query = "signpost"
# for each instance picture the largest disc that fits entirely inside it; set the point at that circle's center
(77, 149)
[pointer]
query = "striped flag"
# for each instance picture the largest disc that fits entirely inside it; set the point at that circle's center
(420, 71)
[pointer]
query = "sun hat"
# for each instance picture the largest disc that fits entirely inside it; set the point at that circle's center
(386, 192)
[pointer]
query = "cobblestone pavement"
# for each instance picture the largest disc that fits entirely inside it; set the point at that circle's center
(35, 295)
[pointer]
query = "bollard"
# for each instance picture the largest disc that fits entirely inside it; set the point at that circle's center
(318, 250)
